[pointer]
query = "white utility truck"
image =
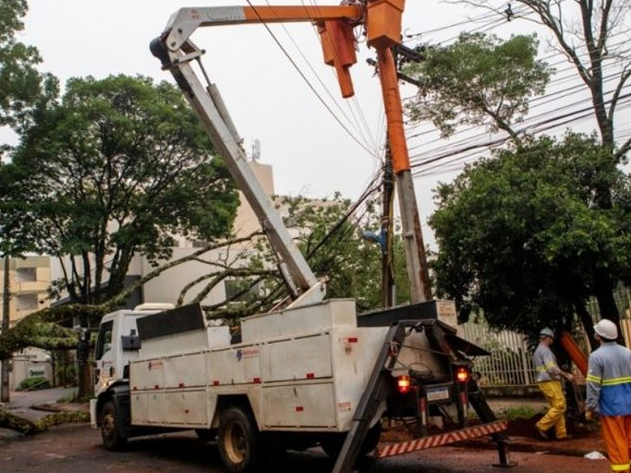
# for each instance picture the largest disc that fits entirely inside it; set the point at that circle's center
(312, 372)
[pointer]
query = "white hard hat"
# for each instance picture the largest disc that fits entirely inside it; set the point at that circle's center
(606, 329)
(546, 332)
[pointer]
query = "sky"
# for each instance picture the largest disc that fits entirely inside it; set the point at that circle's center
(311, 153)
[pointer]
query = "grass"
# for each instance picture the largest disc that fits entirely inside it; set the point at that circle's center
(517, 412)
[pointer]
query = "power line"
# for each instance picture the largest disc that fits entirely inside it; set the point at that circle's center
(309, 84)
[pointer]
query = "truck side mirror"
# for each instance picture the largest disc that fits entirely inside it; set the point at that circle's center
(83, 346)
(131, 342)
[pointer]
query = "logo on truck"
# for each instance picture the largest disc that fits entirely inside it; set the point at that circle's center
(155, 365)
(247, 353)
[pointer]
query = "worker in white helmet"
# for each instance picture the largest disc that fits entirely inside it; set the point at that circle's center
(609, 393)
(548, 376)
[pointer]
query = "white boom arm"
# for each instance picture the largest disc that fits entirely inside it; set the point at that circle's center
(303, 286)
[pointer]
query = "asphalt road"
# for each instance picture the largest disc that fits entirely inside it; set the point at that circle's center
(77, 449)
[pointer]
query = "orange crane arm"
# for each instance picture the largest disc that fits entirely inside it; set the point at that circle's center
(382, 20)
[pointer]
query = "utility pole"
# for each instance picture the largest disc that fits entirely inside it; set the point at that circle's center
(6, 301)
(387, 274)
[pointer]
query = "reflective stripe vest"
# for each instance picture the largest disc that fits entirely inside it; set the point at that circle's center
(609, 380)
(545, 364)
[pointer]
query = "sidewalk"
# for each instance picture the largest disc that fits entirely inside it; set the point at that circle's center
(35, 405)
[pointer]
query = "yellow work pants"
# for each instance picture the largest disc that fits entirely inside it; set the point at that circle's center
(617, 434)
(555, 417)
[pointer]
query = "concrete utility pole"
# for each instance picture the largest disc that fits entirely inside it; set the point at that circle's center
(387, 276)
(6, 301)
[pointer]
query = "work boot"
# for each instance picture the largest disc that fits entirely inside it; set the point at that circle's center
(542, 433)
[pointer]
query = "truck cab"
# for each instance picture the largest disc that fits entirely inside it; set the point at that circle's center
(117, 344)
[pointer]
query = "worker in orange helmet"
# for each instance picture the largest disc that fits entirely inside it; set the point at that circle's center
(609, 393)
(548, 374)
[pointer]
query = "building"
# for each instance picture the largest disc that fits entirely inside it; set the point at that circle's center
(29, 280)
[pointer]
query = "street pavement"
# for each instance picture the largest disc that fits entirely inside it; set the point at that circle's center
(29, 405)
(77, 449)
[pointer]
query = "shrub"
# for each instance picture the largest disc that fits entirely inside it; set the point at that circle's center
(34, 383)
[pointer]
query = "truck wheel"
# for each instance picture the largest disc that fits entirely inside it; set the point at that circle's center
(332, 444)
(110, 432)
(238, 440)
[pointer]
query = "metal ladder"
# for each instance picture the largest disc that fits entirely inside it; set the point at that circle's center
(377, 390)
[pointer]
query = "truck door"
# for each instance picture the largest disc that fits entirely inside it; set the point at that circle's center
(104, 356)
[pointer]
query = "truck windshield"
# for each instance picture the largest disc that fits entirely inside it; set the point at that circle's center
(104, 339)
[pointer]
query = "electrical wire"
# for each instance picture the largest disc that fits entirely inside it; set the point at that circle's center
(310, 85)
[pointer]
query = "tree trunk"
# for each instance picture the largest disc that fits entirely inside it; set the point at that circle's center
(85, 381)
(587, 322)
(6, 307)
(607, 304)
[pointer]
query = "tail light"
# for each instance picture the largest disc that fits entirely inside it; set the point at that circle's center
(462, 374)
(403, 384)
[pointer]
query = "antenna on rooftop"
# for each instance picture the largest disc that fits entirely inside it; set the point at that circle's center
(256, 150)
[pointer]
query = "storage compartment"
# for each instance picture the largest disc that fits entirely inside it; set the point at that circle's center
(235, 366)
(310, 359)
(300, 321)
(185, 371)
(307, 405)
(146, 374)
(185, 408)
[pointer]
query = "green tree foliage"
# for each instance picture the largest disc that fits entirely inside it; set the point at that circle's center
(115, 169)
(522, 239)
(484, 88)
(21, 85)
(329, 234)
(22, 90)
(478, 80)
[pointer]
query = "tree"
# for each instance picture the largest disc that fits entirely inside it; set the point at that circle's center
(22, 86)
(521, 239)
(329, 234)
(593, 46)
(591, 34)
(113, 170)
(479, 80)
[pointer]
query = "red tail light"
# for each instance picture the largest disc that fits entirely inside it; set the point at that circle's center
(462, 374)
(403, 383)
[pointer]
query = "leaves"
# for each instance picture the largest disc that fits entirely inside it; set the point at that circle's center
(22, 86)
(521, 238)
(478, 80)
(115, 169)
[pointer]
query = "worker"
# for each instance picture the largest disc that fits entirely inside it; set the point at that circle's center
(548, 375)
(609, 393)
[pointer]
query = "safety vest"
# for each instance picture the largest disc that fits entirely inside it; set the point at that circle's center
(609, 380)
(545, 364)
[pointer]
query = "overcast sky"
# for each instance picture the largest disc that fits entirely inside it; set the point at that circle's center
(310, 151)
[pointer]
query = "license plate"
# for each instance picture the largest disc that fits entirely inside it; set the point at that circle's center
(437, 394)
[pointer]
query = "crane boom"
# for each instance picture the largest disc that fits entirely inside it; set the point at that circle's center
(382, 19)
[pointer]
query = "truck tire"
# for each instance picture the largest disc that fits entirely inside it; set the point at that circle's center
(332, 445)
(238, 441)
(110, 428)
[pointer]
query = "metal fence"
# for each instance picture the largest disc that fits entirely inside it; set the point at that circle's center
(510, 363)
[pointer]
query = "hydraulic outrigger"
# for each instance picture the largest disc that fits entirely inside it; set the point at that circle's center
(382, 22)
